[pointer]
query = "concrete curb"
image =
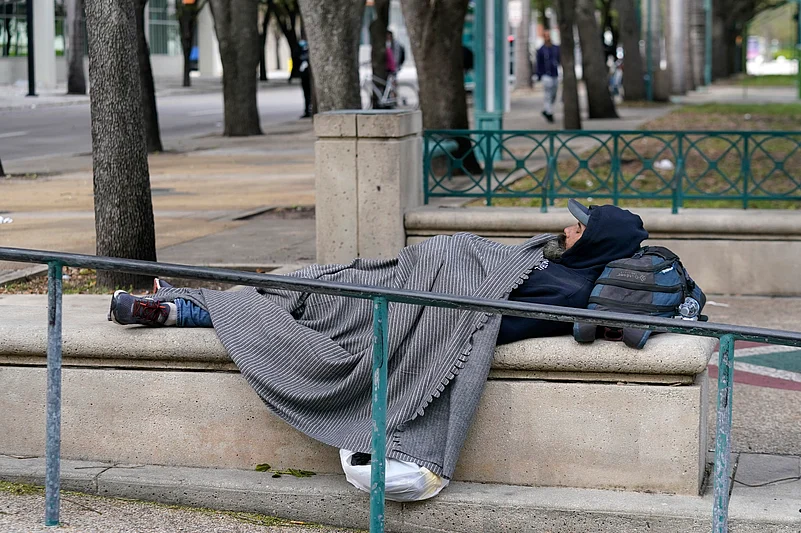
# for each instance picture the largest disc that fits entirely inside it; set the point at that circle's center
(64, 99)
(462, 507)
(23, 274)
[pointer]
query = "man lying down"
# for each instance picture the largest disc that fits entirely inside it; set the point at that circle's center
(309, 356)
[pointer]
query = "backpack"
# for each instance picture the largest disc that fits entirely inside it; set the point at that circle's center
(652, 282)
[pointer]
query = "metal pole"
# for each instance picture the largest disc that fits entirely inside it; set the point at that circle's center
(720, 515)
(53, 442)
(479, 58)
(649, 75)
(708, 43)
(379, 411)
(29, 34)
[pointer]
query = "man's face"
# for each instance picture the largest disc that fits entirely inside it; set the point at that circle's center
(573, 234)
(547, 37)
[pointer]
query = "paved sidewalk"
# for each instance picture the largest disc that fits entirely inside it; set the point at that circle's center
(201, 187)
(461, 507)
(81, 513)
(13, 97)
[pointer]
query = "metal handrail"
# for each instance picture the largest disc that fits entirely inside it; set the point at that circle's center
(727, 334)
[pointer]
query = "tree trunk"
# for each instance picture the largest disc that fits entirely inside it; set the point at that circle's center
(720, 52)
(608, 24)
(595, 72)
(698, 37)
(236, 25)
(689, 68)
(265, 27)
(146, 79)
(123, 208)
(676, 32)
(435, 33)
(633, 75)
(566, 10)
(76, 80)
(378, 51)
(522, 59)
(333, 33)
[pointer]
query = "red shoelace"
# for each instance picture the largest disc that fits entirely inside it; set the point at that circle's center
(151, 311)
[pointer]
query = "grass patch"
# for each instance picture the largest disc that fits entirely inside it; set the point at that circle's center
(770, 80)
(713, 163)
(20, 489)
(84, 281)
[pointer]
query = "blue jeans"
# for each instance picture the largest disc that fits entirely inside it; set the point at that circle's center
(191, 316)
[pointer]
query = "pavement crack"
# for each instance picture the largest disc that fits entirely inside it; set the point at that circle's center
(95, 484)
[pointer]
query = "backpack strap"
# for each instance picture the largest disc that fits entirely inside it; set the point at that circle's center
(661, 251)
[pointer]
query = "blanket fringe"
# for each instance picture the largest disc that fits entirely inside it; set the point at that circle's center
(481, 321)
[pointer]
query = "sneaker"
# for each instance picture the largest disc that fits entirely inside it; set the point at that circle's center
(549, 117)
(160, 284)
(127, 309)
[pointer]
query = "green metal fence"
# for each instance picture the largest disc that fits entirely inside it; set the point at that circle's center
(664, 168)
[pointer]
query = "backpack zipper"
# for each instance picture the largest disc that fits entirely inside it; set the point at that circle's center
(621, 264)
(650, 309)
(638, 286)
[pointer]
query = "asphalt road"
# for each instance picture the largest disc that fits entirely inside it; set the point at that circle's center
(65, 130)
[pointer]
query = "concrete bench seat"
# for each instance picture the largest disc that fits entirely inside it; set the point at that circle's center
(553, 413)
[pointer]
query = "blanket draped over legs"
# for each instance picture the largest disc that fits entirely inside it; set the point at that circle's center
(309, 356)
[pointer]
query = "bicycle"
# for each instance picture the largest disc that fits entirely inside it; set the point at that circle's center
(395, 95)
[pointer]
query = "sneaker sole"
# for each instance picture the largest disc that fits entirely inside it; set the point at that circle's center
(113, 307)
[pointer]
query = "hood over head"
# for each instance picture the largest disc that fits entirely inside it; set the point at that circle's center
(611, 233)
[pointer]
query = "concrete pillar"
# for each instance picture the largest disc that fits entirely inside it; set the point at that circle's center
(677, 39)
(44, 49)
(368, 173)
(209, 63)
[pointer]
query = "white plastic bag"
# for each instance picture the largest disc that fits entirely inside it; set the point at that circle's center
(405, 482)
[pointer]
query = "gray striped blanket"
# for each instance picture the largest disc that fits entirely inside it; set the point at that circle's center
(309, 356)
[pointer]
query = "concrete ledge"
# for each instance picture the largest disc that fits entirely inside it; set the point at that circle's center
(593, 435)
(461, 508)
(600, 416)
(663, 354)
(87, 340)
(525, 221)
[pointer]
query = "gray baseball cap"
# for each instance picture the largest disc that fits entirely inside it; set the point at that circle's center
(581, 213)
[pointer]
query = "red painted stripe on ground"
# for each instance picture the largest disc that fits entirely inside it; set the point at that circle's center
(739, 345)
(757, 380)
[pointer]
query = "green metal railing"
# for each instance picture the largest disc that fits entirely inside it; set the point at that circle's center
(668, 168)
(381, 296)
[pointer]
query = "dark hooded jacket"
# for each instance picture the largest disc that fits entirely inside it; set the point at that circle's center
(611, 233)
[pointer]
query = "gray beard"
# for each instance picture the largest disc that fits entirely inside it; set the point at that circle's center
(553, 250)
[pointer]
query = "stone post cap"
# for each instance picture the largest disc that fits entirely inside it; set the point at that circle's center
(379, 124)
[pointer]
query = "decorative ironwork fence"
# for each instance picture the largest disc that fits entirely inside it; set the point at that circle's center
(660, 168)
